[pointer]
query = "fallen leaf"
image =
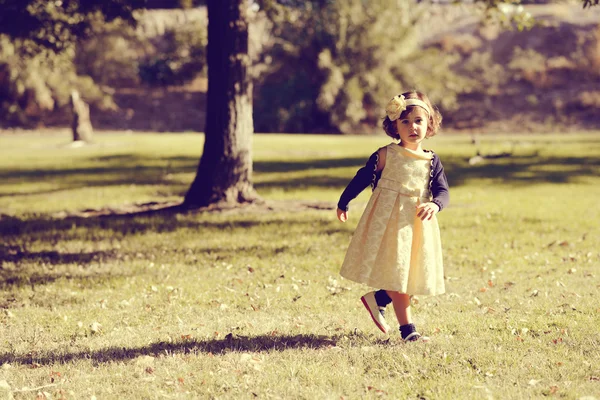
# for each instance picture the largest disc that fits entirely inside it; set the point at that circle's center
(377, 391)
(95, 327)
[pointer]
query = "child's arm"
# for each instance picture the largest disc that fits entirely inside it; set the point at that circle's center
(439, 184)
(439, 191)
(363, 178)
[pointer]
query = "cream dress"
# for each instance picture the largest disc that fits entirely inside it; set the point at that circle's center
(392, 248)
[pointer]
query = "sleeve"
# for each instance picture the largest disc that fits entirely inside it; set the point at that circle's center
(439, 184)
(364, 177)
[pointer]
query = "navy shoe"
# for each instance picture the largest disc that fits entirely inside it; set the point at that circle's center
(409, 334)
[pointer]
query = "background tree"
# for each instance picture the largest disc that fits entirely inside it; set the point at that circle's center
(37, 51)
(224, 173)
(56, 25)
(334, 63)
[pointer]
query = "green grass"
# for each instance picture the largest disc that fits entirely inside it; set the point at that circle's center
(249, 304)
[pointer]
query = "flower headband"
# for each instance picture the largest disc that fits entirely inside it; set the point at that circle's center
(398, 104)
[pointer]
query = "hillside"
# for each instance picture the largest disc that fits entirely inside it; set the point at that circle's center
(528, 80)
(537, 80)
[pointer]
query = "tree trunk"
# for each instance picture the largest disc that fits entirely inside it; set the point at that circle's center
(224, 173)
(81, 124)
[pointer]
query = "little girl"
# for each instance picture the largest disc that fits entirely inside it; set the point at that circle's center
(396, 246)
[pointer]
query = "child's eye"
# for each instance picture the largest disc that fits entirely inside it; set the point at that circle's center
(404, 121)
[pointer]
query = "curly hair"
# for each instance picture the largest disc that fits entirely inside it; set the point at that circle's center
(433, 125)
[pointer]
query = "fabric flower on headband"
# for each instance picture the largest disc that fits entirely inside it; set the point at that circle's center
(395, 107)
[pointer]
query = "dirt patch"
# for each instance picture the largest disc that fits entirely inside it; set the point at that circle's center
(169, 109)
(151, 208)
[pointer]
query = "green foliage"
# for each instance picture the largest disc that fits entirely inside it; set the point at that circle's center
(56, 25)
(529, 65)
(39, 39)
(110, 56)
(35, 82)
(177, 57)
(342, 60)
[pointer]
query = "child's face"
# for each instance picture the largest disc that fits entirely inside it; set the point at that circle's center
(413, 128)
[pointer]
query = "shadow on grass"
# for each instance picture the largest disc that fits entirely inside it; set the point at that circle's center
(17, 254)
(515, 170)
(162, 220)
(522, 169)
(38, 268)
(132, 169)
(262, 343)
(115, 225)
(309, 165)
(20, 280)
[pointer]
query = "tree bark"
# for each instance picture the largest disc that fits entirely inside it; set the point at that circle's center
(224, 174)
(81, 125)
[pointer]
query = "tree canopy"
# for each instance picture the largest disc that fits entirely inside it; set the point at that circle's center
(57, 24)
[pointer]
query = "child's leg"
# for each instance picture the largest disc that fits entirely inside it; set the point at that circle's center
(401, 302)
(382, 298)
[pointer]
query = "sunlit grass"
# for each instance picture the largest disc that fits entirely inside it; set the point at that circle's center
(246, 304)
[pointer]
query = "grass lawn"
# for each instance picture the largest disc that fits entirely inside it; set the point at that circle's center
(249, 304)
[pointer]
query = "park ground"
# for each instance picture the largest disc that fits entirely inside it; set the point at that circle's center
(105, 296)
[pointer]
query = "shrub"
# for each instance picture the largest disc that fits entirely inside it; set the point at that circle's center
(34, 82)
(530, 66)
(340, 61)
(177, 57)
(111, 55)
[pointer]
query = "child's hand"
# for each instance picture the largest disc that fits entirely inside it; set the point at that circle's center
(342, 215)
(426, 211)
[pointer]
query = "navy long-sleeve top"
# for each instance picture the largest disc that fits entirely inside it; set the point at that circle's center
(367, 175)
